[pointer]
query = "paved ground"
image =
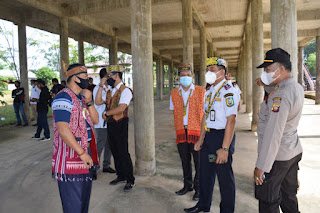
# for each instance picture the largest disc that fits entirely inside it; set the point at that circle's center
(26, 184)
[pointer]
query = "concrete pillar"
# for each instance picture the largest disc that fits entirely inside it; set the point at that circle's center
(318, 70)
(163, 78)
(159, 78)
(210, 49)
(170, 75)
(248, 46)
(113, 50)
(81, 52)
(187, 29)
(203, 57)
(257, 58)
(244, 76)
(300, 64)
(284, 29)
(64, 47)
(141, 49)
(22, 37)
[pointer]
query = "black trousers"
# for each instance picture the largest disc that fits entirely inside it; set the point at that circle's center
(280, 188)
(185, 152)
(118, 141)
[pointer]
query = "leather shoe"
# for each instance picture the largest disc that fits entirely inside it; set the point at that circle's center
(117, 180)
(196, 209)
(109, 170)
(184, 191)
(196, 196)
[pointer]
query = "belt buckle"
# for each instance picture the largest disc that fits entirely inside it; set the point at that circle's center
(185, 127)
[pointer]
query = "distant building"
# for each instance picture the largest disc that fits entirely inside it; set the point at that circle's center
(10, 73)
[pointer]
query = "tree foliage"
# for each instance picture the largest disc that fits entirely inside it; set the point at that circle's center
(311, 64)
(309, 49)
(46, 74)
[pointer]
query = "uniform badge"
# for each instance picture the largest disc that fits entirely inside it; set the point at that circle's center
(275, 108)
(276, 100)
(227, 86)
(229, 101)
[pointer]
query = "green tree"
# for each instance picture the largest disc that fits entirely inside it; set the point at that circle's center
(311, 64)
(46, 74)
(310, 48)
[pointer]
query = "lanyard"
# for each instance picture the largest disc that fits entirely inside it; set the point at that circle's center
(185, 106)
(212, 102)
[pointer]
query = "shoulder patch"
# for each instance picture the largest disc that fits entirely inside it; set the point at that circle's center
(228, 94)
(229, 101)
(275, 108)
(227, 86)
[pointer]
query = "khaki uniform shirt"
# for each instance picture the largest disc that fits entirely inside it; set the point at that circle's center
(277, 125)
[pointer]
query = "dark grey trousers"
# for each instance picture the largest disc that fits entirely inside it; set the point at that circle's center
(102, 143)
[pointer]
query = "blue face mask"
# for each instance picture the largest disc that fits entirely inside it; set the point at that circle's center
(185, 81)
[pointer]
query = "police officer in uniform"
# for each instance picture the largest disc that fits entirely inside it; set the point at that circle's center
(279, 147)
(216, 143)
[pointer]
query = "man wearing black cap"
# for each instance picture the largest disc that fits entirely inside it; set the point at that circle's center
(279, 147)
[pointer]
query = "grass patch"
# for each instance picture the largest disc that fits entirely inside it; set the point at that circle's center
(7, 112)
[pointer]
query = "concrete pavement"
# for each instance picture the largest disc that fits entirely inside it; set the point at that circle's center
(26, 184)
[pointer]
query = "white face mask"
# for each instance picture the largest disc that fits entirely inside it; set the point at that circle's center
(211, 77)
(267, 78)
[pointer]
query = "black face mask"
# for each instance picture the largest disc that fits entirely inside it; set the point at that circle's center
(111, 82)
(84, 83)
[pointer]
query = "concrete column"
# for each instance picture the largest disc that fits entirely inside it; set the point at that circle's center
(81, 52)
(203, 57)
(210, 49)
(141, 49)
(163, 78)
(159, 78)
(24, 66)
(248, 46)
(187, 29)
(113, 50)
(244, 76)
(284, 29)
(64, 47)
(318, 70)
(300, 64)
(257, 58)
(170, 75)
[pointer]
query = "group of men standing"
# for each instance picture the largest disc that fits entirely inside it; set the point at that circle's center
(205, 131)
(205, 124)
(77, 114)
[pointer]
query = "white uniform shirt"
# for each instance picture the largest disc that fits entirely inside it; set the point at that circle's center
(35, 93)
(226, 105)
(100, 108)
(185, 96)
(126, 94)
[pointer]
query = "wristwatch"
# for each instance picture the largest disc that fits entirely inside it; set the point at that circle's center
(225, 149)
(90, 103)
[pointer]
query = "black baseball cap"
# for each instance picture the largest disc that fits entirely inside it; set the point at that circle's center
(275, 55)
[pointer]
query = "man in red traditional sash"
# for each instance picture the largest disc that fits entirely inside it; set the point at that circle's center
(117, 118)
(74, 146)
(187, 105)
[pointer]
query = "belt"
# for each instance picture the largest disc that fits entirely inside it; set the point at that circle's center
(216, 130)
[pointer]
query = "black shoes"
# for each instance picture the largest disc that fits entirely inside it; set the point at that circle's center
(128, 187)
(184, 191)
(25, 124)
(196, 209)
(196, 196)
(19, 124)
(35, 125)
(109, 170)
(117, 180)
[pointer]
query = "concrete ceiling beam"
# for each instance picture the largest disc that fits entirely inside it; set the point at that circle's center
(87, 7)
(301, 33)
(305, 15)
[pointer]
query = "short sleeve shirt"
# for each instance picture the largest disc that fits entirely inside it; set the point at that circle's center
(62, 107)
(126, 94)
(224, 105)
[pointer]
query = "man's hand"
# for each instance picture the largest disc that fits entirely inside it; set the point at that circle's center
(222, 156)
(87, 94)
(257, 175)
(198, 145)
(103, 81)
(259, 82)
(87, 160)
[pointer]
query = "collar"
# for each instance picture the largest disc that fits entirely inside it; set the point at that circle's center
(285, 81)
(191, 87)
(118, 86)
(216, 87)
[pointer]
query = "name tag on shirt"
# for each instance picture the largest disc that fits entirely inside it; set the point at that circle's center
(212, 115)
